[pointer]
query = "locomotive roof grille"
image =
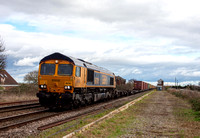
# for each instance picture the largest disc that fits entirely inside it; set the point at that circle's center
(78, 62)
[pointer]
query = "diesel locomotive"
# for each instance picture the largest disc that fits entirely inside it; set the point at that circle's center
(66, 81)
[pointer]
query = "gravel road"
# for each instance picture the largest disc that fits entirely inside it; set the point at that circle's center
(156, 116)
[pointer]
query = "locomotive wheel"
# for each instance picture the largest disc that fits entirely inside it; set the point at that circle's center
(76, 104)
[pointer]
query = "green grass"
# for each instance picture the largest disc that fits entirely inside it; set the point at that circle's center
(195, 103)
(115, 126)
(62, 130)
(1, 88)
(188, 114)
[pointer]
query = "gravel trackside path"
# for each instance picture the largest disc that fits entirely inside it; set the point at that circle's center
(159, 116)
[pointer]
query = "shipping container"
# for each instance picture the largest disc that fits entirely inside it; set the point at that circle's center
(138, 85)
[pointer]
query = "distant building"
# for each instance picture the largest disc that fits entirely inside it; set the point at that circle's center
(6, 81)
(160, 85)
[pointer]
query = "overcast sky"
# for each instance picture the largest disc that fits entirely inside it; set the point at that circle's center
(141, 39)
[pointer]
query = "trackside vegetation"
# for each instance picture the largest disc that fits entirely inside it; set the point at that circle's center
(24, 91)
(19, 93)
(193, 97)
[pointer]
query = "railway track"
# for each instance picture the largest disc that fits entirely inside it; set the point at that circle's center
(23, 119)
(8, 123)
(81, 115)
(57, 123)
(18, 102)
(30, 119)
(19, 107)
(21, 115)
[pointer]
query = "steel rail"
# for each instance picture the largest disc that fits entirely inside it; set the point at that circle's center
(16, 106)
(23, 108)
(17, 102)
(22, 123)
(21, 115)
(57, 123)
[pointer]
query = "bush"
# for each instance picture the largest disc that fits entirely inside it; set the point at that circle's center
(178, 94)
(195, 104)
(192, 96)
(1, 88)
(127, 86)
(28, 89)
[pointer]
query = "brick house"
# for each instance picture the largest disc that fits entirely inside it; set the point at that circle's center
(7, 81)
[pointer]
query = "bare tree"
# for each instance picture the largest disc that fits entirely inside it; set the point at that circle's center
(2, 56)
(32, 77)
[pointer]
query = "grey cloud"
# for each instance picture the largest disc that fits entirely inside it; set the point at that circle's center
(36, 6)
(103, 10)
(140, 19)
(144, 21)
(151, 72)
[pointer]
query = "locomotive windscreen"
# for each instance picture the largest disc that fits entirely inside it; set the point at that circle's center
(47, 69)
(65, 69)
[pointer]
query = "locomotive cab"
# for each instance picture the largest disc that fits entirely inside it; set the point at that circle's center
(56, 77)
(55, 80)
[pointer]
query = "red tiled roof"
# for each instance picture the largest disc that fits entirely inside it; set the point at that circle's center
(6, 79)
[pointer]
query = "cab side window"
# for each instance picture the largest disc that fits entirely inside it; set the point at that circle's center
(78, 71)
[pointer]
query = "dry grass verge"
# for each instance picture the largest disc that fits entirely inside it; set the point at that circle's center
(193, 97)
(20, 93)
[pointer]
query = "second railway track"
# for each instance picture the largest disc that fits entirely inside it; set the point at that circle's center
(19, 107)
(17, 102)
(23, 119)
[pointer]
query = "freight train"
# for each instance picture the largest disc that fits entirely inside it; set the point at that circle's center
(66, 82)
(142, 86)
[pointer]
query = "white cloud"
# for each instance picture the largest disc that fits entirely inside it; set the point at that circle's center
(182, 9)
(128, 35)
(184, 83)
(33, 44)
(27, 61)
(136, 71)
(186, 72)
(103, 20)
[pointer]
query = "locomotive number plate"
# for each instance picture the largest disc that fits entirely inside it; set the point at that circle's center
(55, 80)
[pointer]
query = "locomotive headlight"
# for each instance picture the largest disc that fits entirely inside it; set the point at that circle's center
(68, 87)
(43, 86)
